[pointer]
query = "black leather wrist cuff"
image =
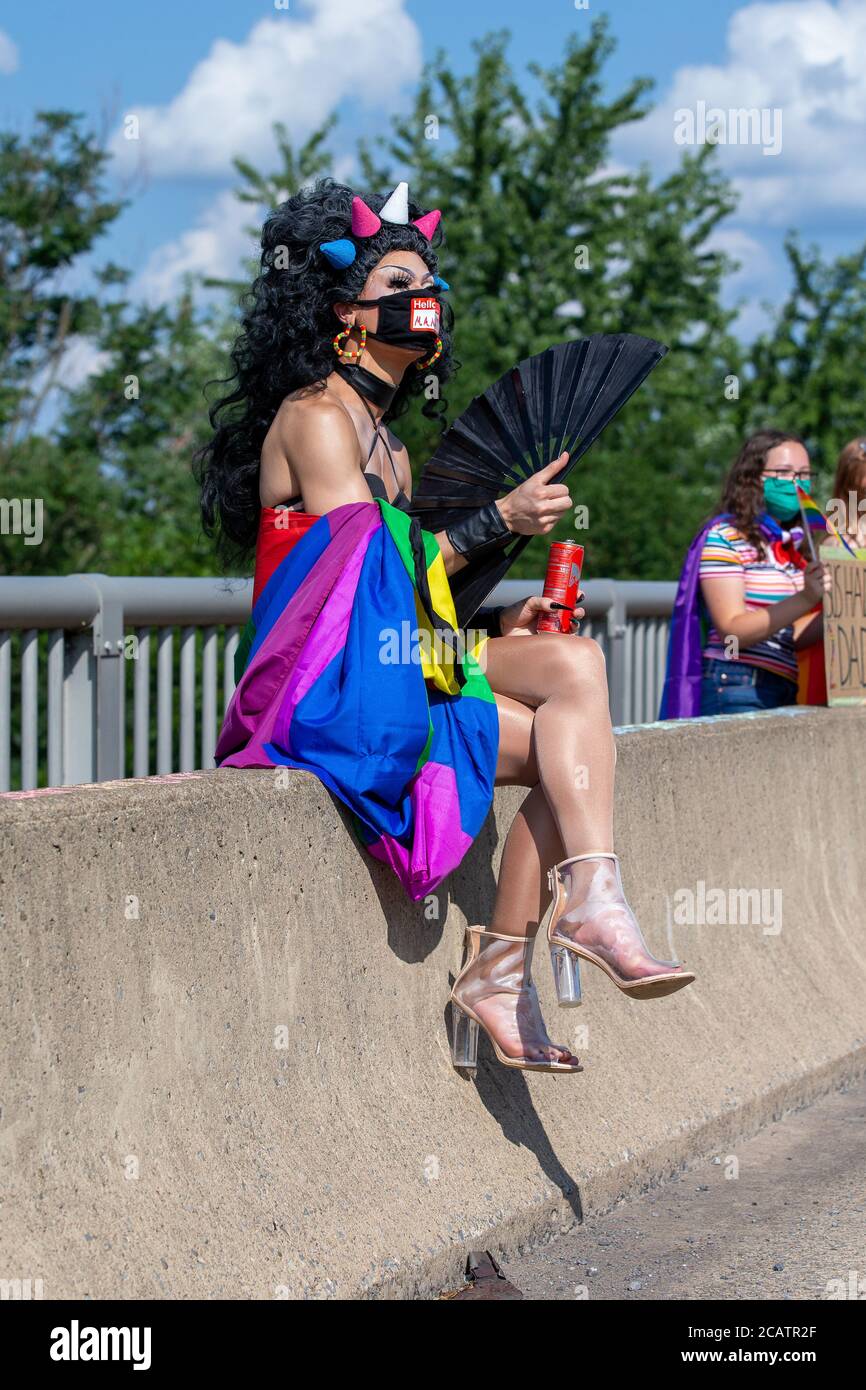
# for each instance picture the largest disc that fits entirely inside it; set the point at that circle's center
(490, 619)
(479, 532)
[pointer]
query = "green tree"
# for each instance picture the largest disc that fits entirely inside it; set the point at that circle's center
(263, 191)
(806, 371)
(143, 415)
(544, 243)
(52, 211)
(112, 466)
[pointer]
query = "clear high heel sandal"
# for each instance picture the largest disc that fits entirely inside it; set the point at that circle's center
(605, 894)
(500, 968)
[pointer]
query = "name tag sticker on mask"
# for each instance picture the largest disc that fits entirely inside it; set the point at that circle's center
(424, 317)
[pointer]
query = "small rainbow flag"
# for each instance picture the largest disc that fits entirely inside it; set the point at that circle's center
(815, 518)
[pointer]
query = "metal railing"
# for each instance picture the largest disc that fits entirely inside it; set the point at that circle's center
(130, 676)
(630, 620)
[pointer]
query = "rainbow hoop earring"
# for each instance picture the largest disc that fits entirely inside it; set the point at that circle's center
(419, 366)
(349, 356)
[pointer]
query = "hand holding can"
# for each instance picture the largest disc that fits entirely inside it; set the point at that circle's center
(562, 584)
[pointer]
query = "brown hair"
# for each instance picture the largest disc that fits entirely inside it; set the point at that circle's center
(851, 475)
(742, 492)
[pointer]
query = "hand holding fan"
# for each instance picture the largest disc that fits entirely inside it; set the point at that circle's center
(559, 400)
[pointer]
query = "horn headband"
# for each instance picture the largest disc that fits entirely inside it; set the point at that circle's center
(366, 223)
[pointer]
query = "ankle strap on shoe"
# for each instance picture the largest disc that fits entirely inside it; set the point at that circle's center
(553, 874)
(500, 935)
(596, 854)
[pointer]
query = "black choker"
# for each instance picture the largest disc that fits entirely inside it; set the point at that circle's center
(366, 384)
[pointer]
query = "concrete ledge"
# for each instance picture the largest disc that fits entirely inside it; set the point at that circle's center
(223, 1028)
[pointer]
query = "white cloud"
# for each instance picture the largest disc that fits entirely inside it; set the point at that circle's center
(804, 58)
(215, 246)
(291, 69)
(8, 54)
(755, 264)
(81, 359)
(760, 277)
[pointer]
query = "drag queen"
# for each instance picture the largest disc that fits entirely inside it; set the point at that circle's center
(345, 324)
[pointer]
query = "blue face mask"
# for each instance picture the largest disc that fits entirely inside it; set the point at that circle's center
(780, 497)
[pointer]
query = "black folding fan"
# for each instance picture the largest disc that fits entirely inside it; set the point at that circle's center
(560, 399)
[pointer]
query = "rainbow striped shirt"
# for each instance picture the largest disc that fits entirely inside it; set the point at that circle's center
(727, 553)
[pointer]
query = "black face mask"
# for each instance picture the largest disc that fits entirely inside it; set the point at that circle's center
(407, 319)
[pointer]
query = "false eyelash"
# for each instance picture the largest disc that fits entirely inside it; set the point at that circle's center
(400, 280)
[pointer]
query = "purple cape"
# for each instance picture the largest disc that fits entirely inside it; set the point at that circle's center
(681, 694)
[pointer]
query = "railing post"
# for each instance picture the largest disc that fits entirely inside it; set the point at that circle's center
(5, 711)
(79, 710)
(616, 655)
(107, 651)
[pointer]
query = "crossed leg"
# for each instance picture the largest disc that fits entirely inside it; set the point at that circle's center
(555, 738)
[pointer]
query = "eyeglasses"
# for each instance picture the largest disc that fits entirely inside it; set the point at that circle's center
(792, 477)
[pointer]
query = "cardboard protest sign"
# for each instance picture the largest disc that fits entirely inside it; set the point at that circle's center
(845, 627)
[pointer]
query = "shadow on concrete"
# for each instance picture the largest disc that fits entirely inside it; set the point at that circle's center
(412, 937)
(505, 1095)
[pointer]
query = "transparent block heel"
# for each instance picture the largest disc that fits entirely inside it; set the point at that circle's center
(566, 976)
(464, 1039)
(658, 978)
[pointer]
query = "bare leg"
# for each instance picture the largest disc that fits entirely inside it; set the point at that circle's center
(531, 845)
(555, 737)
(564, 680)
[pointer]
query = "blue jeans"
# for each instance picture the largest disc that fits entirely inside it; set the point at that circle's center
(732, 687)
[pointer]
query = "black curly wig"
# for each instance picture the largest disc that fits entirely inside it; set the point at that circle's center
(286, 342)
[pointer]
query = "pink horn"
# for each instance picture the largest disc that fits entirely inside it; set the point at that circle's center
(364, 220)
(428, 223)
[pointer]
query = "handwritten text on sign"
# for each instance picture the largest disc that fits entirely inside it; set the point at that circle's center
(845, 629)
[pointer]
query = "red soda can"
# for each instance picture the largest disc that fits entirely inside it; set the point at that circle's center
(562, 583)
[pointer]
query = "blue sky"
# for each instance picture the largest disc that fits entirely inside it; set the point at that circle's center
(207, 79)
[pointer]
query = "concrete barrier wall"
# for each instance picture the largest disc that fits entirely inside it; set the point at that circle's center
(225, 1055)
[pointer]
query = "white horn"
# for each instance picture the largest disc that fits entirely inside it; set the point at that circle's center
(397, 207)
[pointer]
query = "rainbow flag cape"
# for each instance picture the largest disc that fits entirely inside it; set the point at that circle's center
(349, 671)
(816, 519)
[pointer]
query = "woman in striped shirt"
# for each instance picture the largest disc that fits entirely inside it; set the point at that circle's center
(758, 589)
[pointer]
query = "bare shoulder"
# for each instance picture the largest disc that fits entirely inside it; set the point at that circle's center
(307, 423)
(313, 450)
(312, 443)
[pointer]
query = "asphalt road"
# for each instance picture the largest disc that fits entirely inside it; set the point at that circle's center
(782, 1216)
